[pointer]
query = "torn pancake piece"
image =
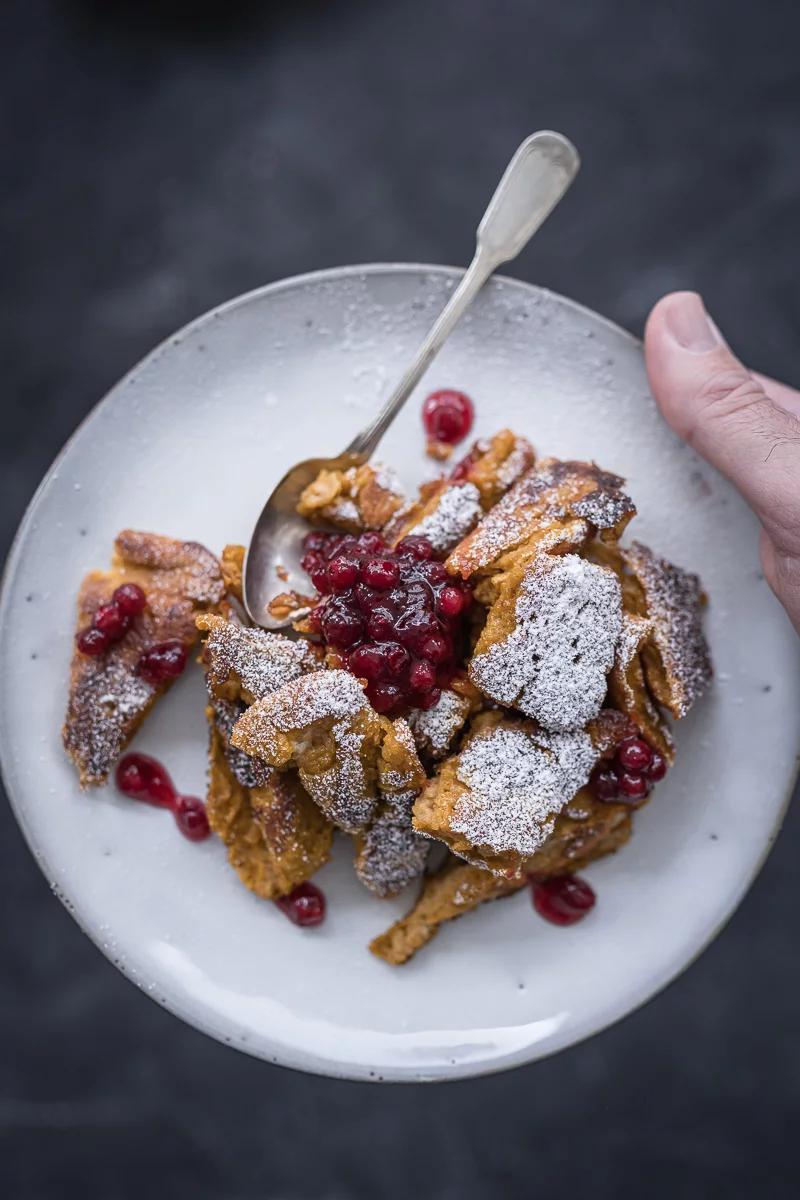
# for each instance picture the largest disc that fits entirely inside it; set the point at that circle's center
(496, 802)
(390, 854)
(261, 662)
(276, 836)
(550, 494)
(460, 887)
(444, 513)
(676, 658)
(322, 724)
(108, 700)
(360, 498)
(549, 639)
(494, 465)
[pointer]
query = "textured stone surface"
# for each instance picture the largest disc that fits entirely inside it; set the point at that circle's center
(153, 164)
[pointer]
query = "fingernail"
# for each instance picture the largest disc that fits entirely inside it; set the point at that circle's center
(691, 326)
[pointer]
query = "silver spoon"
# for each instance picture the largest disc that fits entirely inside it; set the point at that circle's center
(534, 181)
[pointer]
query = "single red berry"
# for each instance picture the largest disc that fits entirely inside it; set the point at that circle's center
(314, 618)
(415, 546)
(311, 561)
(428, 699)
(111, 621)
(448, 416)
(304, 906)
(604, 785)
(634, 754)
(191, 818)
(421, 677)
(165, 660)
(130, 599)
(380, 573)
(563, 900)
(632, 786)
(434, 572)
(436, 649)
(92, 641)
(396, 657)
(414, 627)
(367, 662)
(343, 573)
(657, 769)
(450, 602)
(370, 543)
(320, 579)
(381, 625)
(144, 778)
(384, 696)
(341, 627)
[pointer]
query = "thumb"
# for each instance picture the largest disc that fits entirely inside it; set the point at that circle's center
(715, 404)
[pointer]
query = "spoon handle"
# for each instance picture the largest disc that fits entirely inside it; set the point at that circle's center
(534, 181)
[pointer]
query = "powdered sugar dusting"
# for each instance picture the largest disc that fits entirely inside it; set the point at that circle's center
(674, 606)
(553, 665)
(509, 471)
(249, 772)
(393, 854)
(299, 704)
(263, 661)
(552, 491)
(604, 508)
(457, 512)
(343, 509)
(518, 783)
(386, 479)
(105, 707)
(435, 729)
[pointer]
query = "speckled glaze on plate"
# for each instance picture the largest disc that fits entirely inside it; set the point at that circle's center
(189, 444)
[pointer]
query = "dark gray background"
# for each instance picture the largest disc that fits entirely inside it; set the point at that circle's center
(157, 158)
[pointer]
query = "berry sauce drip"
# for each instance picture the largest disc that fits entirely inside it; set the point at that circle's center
(630, 777)
(562, 900)
(448, 416)
(304, 906)
(112, 621)
(143, 778)
(394, 617)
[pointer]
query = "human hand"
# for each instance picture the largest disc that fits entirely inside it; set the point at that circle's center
(745, 425)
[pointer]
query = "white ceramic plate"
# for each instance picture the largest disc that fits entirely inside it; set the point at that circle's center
(189, 444)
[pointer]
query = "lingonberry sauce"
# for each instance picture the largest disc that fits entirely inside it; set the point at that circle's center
(395, 617)
(144, 778)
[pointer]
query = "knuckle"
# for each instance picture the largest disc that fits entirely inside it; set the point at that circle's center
(730, 392)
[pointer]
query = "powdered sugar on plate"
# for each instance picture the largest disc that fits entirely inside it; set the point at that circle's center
(518, 783)
(553, 665)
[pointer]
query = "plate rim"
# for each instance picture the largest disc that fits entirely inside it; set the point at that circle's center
(289, 1056)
